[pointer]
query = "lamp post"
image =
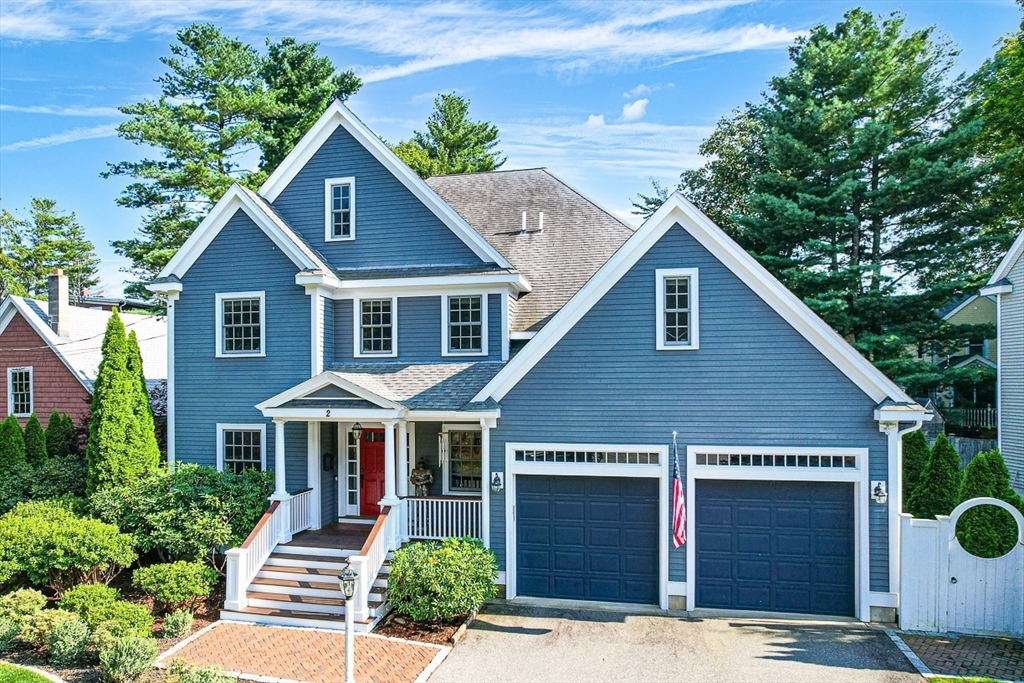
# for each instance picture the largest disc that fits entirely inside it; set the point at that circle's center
(348, 579)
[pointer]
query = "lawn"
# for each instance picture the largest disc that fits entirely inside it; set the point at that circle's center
(15, 674)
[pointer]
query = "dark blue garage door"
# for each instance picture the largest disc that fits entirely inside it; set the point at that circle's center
(775, 546)
(587, 538)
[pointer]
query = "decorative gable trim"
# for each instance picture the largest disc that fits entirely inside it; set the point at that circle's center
(223, 211)
(321, 381)
(677, 209)
(1006, 265)
(339, 115)
(12, 306)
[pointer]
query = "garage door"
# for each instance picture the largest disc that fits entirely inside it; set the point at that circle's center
(587, 538)
(776, 546)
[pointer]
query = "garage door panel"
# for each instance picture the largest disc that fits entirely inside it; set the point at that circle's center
(566, 510)
(604, 537)
(604, 511)
(795, 555)
(531, 533)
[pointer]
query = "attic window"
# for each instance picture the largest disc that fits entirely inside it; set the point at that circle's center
(340, 209)
(677, 312)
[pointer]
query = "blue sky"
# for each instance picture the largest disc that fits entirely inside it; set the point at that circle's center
(607, 95)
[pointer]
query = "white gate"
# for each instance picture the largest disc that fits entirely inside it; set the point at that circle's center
(945, 588)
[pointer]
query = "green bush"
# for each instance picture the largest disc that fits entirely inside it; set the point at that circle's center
(46, 544)
(915, 458)
(60, 436)
(986, 530)
(68, 642)
(118, 617)
(176, 585)
(936, 494)
(12, 444)
(442, 580)
(55, 478)
(189, 513)
(9, 630)
(177, 624)
(126, 659)
(88, 597)
(21, 605)
(180, 672)
(35, 441)
(36, 630)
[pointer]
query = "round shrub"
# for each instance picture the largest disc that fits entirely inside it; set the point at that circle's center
(176, 585)
(125, 659)
(100, 607)
(180, 672)
(9, 629)
(86, 598)
(68, 642)
(177, 624)
(36, 630)
(21, 605)
(442, 580)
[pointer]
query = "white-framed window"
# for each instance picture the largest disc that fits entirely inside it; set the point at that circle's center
(678, 316)
(20, 392)
(464, 325)
(241, 324)
(340, 209)
(462, 459)
(241, 447)
(376, 328)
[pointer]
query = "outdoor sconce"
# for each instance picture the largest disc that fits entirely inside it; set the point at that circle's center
(328, 460)
(357, 430)
(497, 483)
(878, 492)
(348, 579)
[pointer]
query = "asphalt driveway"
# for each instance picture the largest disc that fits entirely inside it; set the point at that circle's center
(516, 643)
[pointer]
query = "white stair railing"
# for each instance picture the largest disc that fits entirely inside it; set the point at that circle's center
(367, 564)
(301, 514)
(245, 561)
(437, 518)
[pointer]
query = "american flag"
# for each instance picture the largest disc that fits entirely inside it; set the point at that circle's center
(678, 500)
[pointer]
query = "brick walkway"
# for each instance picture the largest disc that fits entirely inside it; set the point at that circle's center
(302, 654)
(1000, 658)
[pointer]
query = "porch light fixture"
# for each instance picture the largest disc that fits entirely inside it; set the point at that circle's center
(357, 430)
(348, 579)
(878, 492)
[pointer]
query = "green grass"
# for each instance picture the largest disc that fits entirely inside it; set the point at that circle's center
(15, 674)
(971, 679)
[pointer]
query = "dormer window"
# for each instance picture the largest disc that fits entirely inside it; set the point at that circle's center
(340, 209)
(677, 310)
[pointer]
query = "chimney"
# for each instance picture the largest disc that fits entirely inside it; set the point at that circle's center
(57, 292)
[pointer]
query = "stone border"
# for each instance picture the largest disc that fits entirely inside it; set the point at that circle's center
(159, 663)
(45, 674)
(909, 654)
(461, 631)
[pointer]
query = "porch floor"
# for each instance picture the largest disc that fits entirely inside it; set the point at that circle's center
(340, 535)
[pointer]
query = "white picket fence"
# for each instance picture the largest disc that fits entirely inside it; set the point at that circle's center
(945, 588)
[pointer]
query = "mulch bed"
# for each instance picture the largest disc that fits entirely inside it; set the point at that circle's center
(435, 632)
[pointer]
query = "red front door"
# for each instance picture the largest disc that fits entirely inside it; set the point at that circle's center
(371, 475)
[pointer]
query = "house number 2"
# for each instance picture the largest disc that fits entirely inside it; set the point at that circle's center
(328, 414)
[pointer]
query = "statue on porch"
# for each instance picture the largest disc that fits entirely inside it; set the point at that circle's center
(421, 478)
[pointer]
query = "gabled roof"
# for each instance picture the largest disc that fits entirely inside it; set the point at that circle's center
(955, 306)
(677, 210)
(1006, 265)
(81, 350)
(578, 235)
(338, 114)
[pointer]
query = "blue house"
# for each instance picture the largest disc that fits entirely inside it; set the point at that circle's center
(537, 368)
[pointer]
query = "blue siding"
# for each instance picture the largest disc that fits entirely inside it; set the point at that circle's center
(393, 228)
(755, 381)
(343, 331)
(209, 390)
(330, 316)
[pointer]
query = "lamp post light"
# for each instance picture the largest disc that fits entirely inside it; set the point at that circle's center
(357, 431)
(348, 579)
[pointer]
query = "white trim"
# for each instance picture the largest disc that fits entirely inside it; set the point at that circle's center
(338, 114)
(861, 492)
(329, 184)
(445, 457)
(357, 328)
(314, 472)
(693, 296)
(659, 471)
(677, 210)
(505, 298)
(522, 336)
(414, 286)
(963, 304)
(316, 305)
(261, 427)
(996, 290)
(172, 298)
(1006, 265)
(484, 327)
(31, 391)
(220, 298)
(321, 381)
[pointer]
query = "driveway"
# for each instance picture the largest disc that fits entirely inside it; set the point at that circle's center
(516, 643)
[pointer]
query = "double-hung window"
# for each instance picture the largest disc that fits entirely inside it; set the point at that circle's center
(19, 392)
(677, 309)
(241, 447)
(241, 325)
(462, 447)
(375, 327)
(340, 209)
(465, 325)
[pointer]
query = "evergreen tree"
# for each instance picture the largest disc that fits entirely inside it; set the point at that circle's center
(985, 530)
(452, 142)
(12, 256)
(915, 458)
(122, 446)
(59, 434)
(1001, 476)
(35, 441)
(135, 365)
(12, 444)
(939, 488)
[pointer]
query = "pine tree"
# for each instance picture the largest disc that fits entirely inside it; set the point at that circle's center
(452, 142)
(59, 432)
(1003, 488)
(35, 441)
(915, 458)
(939, 488)
(12, 444)
(985, 530)
(12, 256)
(122, 445)
(136, 366)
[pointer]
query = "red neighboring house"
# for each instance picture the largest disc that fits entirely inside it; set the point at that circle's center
(50, 353)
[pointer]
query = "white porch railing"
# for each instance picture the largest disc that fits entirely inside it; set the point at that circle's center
(383, 539)
(301, 511)
(245, 561)
(436, 518)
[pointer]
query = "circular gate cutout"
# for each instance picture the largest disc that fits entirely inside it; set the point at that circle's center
(986, 527)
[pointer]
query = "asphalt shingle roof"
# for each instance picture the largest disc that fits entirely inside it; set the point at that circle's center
(577, 239)
(421, 386)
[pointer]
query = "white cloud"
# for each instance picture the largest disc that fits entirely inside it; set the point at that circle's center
(634, 111)
(61, 111)
(74, 135)
(637, 91)
(595, 120)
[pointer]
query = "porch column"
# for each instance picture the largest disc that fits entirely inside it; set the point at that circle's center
(485, 480)
(403, 459)
(283, 518)
(389, 465)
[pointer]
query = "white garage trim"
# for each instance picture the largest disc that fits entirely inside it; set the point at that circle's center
(858, 476)
(586, 469)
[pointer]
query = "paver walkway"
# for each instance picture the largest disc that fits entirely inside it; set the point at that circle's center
(1000, 658)
(303, 654)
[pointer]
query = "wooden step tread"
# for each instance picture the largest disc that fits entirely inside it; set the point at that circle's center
(295, 614)
(328, 574)
(285, 583)
(374, 597)
(309, 558)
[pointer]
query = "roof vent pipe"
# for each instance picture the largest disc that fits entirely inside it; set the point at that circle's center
(523, 229)
(540, 222)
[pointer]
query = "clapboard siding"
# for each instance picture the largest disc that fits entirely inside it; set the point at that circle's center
(329, 330)
(393, 228)
(343, 331)
(755, 381)
(209, 390)
(1011, 376)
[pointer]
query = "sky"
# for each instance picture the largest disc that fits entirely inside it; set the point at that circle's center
(606, 95)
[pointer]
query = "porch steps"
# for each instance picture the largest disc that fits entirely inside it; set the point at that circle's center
(298, 586)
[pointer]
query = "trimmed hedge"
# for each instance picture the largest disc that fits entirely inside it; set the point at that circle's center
(176, 585)
(986, 530)
(443, 580)
(936, 494)
(101, 608)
